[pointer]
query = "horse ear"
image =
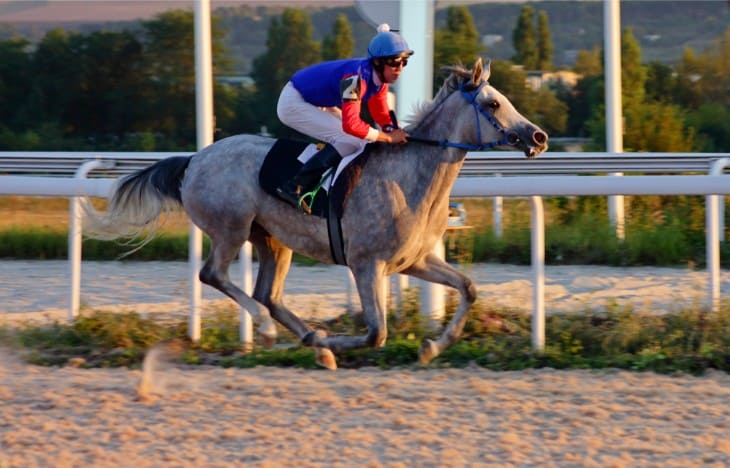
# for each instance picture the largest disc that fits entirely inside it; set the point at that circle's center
(487, 70)
(476, 74)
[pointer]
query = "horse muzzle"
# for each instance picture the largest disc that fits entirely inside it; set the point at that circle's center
(533, 142)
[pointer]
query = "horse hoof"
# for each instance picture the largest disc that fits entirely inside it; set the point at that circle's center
(428, 351)
(268, 342)
(268, 333)
(326, 359)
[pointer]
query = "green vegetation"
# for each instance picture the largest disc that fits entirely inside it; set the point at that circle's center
(131, 87)
(660, 231)
(499, 339)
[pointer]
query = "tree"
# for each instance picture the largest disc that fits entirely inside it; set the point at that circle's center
(542, 106)
(657, 127)
(341, 43)
(544, 43)
(589, 62)
(524, 39)
(289, 48)
(702, 84)
(661, 85)
(648, 125)
(707, 76)
(110, 82)
(712, 124)
(169, 48)
(15, 80)
(54, 68)
(633, 73)
(585, 101)
(456, 43)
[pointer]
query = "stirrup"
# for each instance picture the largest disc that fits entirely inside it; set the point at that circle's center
(306, 206)
(307, 199)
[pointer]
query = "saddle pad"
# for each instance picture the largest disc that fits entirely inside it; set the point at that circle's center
(282, 163)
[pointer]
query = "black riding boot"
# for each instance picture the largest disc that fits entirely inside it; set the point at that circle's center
(308, 176)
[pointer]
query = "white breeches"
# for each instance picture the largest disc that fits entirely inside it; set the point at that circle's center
(321, 123)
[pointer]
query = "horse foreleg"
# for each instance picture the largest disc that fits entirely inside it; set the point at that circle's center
(369, 280)
(435, 270)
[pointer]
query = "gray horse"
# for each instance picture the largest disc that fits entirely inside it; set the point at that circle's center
(391, 223)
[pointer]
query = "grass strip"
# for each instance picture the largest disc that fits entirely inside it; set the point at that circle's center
(687, 341)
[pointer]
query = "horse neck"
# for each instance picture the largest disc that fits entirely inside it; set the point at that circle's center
(437, 128)
(425, 174)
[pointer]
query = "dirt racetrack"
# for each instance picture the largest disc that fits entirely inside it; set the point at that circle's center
(203, 416)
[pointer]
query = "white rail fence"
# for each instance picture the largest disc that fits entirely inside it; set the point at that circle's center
(48, 174)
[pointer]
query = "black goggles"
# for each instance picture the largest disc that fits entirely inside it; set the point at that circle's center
(396, 62)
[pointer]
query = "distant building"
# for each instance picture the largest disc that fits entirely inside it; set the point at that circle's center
(235, 81)
(536, 79)
(491, 39)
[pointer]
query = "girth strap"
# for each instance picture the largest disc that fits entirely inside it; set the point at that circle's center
(334, 231)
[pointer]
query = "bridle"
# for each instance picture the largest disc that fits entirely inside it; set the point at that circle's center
(510, 139)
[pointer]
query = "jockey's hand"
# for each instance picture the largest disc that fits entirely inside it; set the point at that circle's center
(397, 136)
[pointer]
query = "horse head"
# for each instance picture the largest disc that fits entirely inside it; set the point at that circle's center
(495, 123)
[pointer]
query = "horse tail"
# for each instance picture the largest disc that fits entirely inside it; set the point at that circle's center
(137, 201)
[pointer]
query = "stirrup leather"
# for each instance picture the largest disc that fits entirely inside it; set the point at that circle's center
(306, 200)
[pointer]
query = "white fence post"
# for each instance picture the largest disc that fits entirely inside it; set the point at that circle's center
(538, 273)
(433, 303)
(614, 115)
(246, 322)
(712, 238)
(497, 217)
(204, 137)
(74, 238)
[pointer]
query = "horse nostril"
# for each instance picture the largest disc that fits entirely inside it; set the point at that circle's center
(539, 137)
(512, 138)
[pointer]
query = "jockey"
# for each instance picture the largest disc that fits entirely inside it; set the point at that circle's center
(324, 101)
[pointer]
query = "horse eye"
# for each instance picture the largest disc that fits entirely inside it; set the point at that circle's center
(493, 104)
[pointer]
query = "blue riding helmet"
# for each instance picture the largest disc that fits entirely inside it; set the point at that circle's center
(387, 44)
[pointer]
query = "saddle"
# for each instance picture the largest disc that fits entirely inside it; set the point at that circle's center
(282, 162)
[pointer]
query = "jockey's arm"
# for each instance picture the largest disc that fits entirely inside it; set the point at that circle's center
(352, 88)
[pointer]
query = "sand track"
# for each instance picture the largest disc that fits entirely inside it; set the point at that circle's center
(204, 416)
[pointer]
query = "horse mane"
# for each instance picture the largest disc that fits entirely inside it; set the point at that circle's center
(457, 72)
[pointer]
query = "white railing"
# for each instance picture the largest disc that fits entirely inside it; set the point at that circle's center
(512, 163)
(470, 185)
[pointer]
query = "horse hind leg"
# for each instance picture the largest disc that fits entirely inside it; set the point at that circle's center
(274, 261)
(215, 273)
(435, 270)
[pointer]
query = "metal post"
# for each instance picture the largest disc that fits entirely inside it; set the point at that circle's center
(497, 209)
(614, 116)
(538, 274)
(74, 237)
(246, 321)
(416, 26)
(204, 126)
(399, 284)
(712, 238)
(433, 303)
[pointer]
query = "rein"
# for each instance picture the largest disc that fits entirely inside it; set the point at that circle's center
(471, 98)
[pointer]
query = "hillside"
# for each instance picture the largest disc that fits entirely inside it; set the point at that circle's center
(664, 28)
